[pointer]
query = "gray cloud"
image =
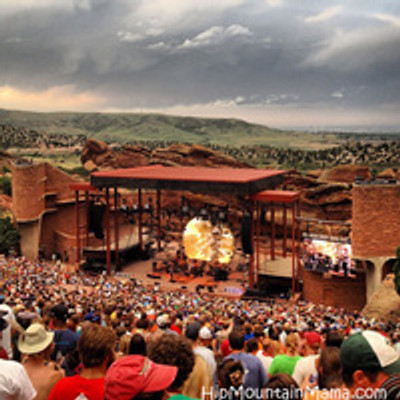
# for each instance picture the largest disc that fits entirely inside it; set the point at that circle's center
(156, 54)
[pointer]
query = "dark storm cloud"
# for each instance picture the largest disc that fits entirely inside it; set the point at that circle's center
(161, 53)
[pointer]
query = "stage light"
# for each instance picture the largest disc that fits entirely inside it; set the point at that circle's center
(206, 242)
(197, 239)
(225, 246)
(203, 214)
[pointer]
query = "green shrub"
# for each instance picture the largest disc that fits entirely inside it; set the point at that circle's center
(5, 185)
(9, 236)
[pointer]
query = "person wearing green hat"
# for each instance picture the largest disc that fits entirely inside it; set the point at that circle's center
(368, 360)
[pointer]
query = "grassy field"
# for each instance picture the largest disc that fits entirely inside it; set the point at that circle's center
(127, 127)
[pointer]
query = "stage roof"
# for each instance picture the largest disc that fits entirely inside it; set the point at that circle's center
(276, 196)
(238, 181)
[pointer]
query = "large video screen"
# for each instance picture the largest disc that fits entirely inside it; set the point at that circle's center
(330, 256)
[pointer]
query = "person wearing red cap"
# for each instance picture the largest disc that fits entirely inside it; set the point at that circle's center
(307, 366)
(96, 350)
(131, 377)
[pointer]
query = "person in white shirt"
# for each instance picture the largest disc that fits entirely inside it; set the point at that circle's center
(202, 348)
(14, 382)
(267, 354)
(8, 315)
(308, 365)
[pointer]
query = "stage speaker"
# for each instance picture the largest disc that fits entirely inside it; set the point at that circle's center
(253, 292)
(96, 212)
(247, 242)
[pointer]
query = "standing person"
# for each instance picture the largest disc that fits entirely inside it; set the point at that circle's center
(201, 376)
(136, 376)
(96, 350)
(368, 362)
(8, 315)
(285, 363)
(256, 377)
(267, 354)
(14, 382)
(177, 351)
(230, 376)
(307, 365)
(202, 348)
(36, 345)
(65, 340)
(329, 376)
(3, 327)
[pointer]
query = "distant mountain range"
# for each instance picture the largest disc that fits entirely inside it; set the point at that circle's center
(124, 128)
(130, 127)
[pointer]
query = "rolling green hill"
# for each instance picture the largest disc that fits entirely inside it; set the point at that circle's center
(127, 127)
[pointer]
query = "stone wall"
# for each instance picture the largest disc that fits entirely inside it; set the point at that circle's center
(335, 291)
(28, 188)
(376, 220)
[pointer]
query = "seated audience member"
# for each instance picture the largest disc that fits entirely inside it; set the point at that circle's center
(256, 377)
(282, 386)
(177, 350)
(137, 377)
(368, 361)
(286, 363)
(36, 345)
(14, 382)
(96, 350)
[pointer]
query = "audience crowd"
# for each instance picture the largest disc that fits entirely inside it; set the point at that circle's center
(77, 337)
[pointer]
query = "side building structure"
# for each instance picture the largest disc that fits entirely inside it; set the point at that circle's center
(43, 207)
(376, 229)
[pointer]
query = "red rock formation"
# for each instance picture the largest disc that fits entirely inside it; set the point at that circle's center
(390, 173)
(98, 153)
(345, 173)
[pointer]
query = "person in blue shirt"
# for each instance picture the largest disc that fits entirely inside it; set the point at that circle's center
(255, 376)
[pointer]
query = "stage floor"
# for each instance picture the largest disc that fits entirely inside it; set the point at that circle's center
(233, 287)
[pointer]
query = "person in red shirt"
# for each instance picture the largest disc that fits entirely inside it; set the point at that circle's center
(96, 350)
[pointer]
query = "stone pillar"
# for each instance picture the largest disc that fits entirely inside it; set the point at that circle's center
(373, 275)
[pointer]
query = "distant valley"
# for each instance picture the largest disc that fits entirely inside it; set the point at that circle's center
(59, 137)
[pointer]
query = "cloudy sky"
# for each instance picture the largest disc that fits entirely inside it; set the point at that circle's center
(284, 63)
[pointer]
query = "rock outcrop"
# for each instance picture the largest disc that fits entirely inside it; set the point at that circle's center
(129, 156)
(384, 303)
(390, 173)
(346, 174)
(325, 195)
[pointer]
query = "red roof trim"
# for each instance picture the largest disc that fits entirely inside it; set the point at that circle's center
(194, 174)
(276, 196)
(83, 186)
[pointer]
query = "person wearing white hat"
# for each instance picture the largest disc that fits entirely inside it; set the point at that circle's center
(202, 348)
(36, 344)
